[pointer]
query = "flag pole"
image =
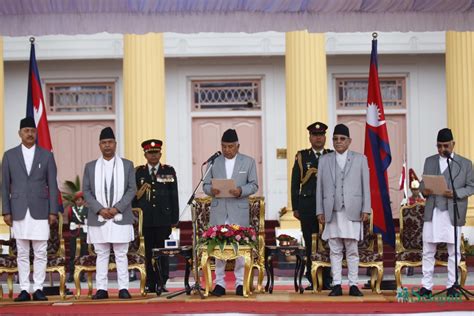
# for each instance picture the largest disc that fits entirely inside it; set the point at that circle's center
(32, 40)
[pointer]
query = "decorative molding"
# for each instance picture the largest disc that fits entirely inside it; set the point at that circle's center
(110, 46)
(388, 43)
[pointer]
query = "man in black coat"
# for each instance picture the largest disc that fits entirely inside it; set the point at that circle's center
(157, 196)
(303, 192)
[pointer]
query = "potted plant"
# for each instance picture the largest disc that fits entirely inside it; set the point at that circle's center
(72, 187)
(232, 235)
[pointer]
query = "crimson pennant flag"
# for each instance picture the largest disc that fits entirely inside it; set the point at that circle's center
(377, 150)
(35, 109)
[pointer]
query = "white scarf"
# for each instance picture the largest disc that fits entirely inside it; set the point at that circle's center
(118, 177)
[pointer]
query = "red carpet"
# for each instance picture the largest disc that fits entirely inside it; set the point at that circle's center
(167, 307)
(283, 301)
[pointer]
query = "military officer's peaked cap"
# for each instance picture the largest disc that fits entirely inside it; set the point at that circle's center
(317, 128)
(152, 145)
(78, 195)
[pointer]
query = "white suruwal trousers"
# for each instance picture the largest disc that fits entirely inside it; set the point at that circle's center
(102, 264)
(342, 233)
(36, 231)
(439, 230)
(238, 272)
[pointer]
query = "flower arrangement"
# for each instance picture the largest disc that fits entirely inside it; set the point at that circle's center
(234, 235)
(287, 240)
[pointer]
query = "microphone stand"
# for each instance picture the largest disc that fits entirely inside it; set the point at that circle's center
(456, 285)
(196, 287)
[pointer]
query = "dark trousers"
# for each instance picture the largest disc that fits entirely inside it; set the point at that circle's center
(155, 238)
(309, 226)
(72, 248)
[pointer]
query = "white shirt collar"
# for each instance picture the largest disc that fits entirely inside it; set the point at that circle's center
(156, 167)
(317, 151)
(24, 148)
(444, 158)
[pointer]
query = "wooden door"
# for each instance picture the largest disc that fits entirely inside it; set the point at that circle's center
(74, 144)
(206, 139)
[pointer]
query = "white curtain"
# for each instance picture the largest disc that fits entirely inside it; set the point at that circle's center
(42, 17)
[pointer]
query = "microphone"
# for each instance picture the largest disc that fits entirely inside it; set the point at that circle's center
(447, 154)
(212, 158)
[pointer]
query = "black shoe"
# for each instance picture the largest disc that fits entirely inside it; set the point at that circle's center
(336, 290)
(309, 288)
(354, 291)
(38, 295)
(424, 292)
(124, 294)
(23, 297)
(239, 290)
(100, 295)
(150, 288)
(327, 286)
(132, 276)
(452, 292)
(218, 291)
(70, 278)
(164, 289)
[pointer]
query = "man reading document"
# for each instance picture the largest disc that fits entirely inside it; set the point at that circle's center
(234, 208)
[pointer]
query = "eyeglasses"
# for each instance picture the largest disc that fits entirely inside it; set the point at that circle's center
(341, 139)
(443, 145)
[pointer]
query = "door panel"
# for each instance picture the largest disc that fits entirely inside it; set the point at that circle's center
(74, 144)
(207, 133)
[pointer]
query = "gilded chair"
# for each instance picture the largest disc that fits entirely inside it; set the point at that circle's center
(370, 256)
(135, 256)
(257, 221)
(56, 261)
(409, 244)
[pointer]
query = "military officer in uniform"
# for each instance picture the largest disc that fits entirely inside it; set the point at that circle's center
(303, 192)
(78, 228)
(157, 196)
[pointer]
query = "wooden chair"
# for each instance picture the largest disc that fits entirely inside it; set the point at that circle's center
(256, 220)
(409, 244)
(56, 261)
(370, 256)
(135, 256)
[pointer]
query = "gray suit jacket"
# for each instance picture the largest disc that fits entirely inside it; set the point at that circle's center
(463, 178)
(124, 206)
(37, 191)
(356, 186)
(245, 177)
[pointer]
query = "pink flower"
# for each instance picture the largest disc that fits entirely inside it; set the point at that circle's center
(238, 237)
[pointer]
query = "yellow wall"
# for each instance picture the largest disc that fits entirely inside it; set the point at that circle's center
(144, 92)
(460, 95)
(3, 226)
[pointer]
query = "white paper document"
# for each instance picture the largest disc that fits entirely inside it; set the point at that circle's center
(437, 184)
(224, 186)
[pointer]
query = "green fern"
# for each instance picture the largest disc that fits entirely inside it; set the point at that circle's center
(72, 187)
